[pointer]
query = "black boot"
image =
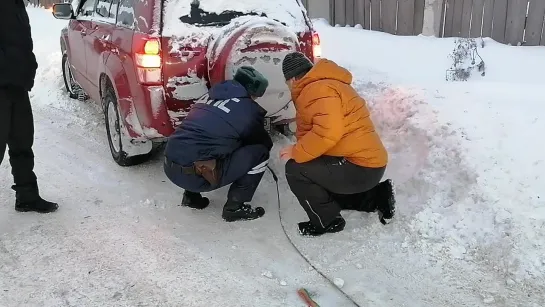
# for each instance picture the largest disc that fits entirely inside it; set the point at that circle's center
(236, 211)
(39, 205)
(385, 200)
(194, 200)
(307, 229)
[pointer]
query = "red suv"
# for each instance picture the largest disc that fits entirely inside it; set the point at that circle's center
(147, 61)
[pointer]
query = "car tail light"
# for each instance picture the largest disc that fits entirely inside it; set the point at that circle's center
(147, 57)
(316, 47)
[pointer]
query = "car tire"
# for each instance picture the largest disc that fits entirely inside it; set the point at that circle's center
(114, 132)
(71, 87)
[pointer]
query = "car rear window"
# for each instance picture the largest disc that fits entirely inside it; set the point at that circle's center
(181, 14)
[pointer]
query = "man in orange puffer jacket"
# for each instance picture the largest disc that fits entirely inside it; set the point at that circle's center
(339, 159)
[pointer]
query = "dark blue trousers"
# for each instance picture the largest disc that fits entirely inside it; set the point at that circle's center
(243, 170)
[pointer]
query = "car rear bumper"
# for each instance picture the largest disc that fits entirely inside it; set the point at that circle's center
(147, 117)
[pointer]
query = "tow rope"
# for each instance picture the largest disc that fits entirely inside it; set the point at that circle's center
(303, 291)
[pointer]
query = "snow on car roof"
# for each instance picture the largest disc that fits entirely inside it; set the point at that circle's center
(288, 12)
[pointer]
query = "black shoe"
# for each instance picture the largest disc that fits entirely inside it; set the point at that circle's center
(194, 200)
(240, 211)
(307, 229)
(39, 205)
(386, 203)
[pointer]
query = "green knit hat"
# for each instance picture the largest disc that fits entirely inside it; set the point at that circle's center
(254, 82)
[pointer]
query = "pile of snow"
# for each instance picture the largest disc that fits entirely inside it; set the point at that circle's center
(467, 163)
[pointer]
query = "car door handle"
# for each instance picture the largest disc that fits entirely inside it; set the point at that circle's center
(83, 32)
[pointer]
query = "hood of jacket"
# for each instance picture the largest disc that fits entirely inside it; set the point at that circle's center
(323, 70)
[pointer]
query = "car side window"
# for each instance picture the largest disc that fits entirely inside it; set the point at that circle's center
(88, 8)
(103, 8)
(125, 14)
(113, 9)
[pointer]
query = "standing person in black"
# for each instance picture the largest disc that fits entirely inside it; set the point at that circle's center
(17, 72)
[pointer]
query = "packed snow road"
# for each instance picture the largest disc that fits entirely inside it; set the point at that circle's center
(119, 238)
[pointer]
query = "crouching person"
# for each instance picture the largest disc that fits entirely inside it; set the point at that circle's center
(223, 141)
(338, 160)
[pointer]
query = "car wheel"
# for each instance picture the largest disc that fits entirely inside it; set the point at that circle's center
(71, 87)
(115, 134)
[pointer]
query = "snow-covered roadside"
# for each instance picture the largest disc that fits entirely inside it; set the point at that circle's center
(468, 166)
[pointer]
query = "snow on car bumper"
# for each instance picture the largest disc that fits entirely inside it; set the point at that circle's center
(148, 120)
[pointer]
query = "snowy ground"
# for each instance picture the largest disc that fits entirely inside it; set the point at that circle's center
(466, 158)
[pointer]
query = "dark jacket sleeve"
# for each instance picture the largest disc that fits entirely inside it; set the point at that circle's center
(17, 60)
(2, 58)
(259, 135)
(255, 133)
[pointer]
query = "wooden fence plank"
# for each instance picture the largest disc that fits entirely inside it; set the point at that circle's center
(534, 24)
(340, 13)
(359, 13)
(418, 16)
(442, 20)
(543, 36)
(349, 12)
(516, 20)
(376, 21)
(488, 15)
(467, 13)
(332, 12)
(449, 18)
(477, 18)
(367, 5)
(500, 19)
(466, 18)
(388, 12)
(405, 17)
(457, 19)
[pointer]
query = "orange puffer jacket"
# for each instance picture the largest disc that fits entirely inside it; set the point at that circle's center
(332, 119)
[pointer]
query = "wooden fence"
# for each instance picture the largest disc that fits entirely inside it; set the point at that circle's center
(515, 22)
(401, 17)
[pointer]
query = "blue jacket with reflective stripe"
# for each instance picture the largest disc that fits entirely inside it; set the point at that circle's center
(218, 123)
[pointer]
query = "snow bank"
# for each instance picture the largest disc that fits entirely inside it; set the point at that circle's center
(466, 156)
(425, 59)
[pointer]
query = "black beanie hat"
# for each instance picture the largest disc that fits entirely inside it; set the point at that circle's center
(295, 64)
(255, 83)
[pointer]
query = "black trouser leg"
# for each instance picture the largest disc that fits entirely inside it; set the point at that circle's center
(321, 184)
(244, 170)
(18, 124)
(5, 122)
